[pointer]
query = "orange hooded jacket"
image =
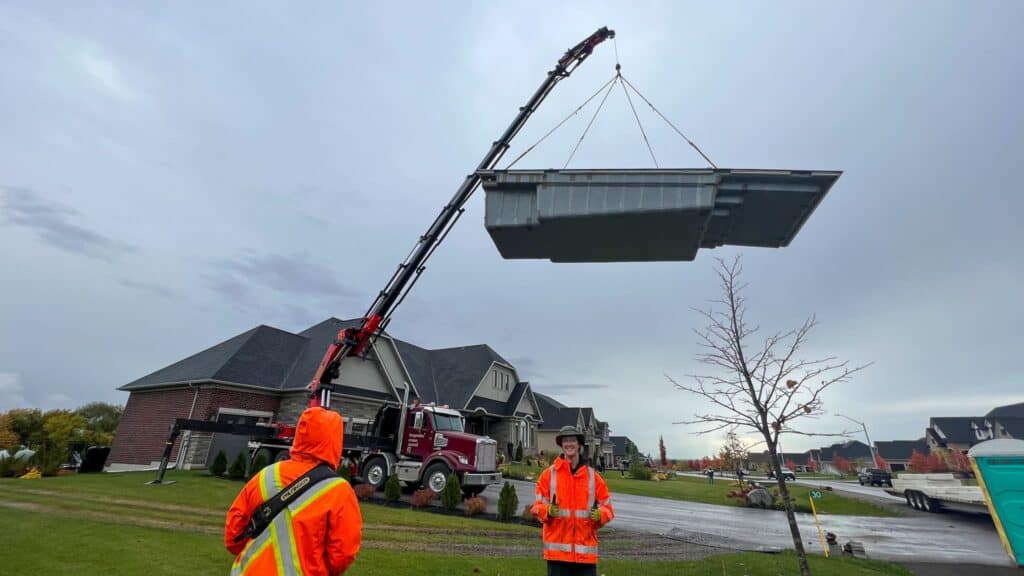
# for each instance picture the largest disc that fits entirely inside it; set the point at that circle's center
(572, 536)
(318, 534)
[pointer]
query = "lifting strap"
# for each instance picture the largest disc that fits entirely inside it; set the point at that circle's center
(265, 512)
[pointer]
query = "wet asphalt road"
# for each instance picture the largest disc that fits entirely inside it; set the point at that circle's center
(938, 538)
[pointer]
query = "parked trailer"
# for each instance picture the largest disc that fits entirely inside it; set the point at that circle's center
(937, 492)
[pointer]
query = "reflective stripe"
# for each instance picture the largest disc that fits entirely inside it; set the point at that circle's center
(580, 549)
(605, 502)
(590, 487)
(280, 530)
(318, 489)
(253, 549)
(563, 513)
(541, 497)
(582, 513)
(553, 483)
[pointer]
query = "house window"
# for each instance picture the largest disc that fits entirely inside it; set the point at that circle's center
(495, 379)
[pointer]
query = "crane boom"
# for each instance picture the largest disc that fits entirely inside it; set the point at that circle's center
(354, 341)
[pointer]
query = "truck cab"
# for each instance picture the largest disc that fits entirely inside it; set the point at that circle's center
(424, 445)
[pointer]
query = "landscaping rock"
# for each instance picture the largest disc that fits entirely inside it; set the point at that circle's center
(760, 498)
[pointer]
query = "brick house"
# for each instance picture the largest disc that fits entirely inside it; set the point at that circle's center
(261, 375)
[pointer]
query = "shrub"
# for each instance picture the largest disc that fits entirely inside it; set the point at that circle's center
(220, 464)
(345, 472)
(527, 514)
(519, 453)
(259, 463)
(392, 489)
(422, 497)
(452, 494)
(238, 466)
(638, 471)
(476, 505)
(508, 503)
(364, 491)
(740, 494)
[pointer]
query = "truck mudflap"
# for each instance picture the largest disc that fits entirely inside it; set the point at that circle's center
(481, 478)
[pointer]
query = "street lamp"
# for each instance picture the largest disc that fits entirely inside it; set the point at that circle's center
(874, 452)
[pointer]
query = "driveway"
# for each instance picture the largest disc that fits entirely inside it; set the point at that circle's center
(941, 538)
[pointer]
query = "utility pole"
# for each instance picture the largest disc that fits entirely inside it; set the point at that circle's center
(874, 452)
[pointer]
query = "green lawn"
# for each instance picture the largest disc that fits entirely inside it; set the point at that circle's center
(113, 524)
(699, 490)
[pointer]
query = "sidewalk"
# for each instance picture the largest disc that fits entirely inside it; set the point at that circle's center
(923, 569)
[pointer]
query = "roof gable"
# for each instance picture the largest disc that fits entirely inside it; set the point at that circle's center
(318, 338)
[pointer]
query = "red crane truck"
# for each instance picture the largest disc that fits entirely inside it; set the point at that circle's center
(422, 444)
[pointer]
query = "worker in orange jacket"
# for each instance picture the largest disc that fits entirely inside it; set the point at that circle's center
(572, 503)
(317, 534)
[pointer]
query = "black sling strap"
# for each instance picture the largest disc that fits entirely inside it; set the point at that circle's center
(267, 511)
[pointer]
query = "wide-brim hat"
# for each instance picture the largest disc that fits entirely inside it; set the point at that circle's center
(569, 431)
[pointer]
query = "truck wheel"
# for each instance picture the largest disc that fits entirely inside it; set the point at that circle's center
(910, 498)
(436, 477)
(375, 473)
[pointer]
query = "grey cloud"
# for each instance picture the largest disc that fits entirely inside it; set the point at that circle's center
(554, 388)
(296, 275)
(56, 225)
(150, 288)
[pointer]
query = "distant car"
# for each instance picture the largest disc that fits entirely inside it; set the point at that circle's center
(787, 474)
(874, 477)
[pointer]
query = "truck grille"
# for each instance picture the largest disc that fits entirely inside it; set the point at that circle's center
(486, 452)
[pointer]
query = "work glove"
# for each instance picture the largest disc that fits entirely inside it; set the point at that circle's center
(552, 511)
(595, 515)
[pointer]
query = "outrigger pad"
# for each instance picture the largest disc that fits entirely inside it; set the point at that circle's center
(645, 215)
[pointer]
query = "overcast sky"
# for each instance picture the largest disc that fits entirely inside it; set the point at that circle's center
(173, 176)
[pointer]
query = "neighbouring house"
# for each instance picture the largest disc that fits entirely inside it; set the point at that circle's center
(855, 451)
(963, 432)
(597, 445)
(958, 432)
(623, 450)
(897, 453)
(555, 415)
(761, 460)
(261, 375)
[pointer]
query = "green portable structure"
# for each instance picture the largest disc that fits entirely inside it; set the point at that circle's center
(999, 466)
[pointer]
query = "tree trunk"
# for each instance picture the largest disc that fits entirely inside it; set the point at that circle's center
(794, 530)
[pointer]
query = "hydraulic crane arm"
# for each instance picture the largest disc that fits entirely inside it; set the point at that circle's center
(355, 341)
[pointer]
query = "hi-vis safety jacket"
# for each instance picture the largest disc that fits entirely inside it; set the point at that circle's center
(572, 536)
(319, 533)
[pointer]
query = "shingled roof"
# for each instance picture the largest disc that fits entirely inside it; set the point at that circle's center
(273, 359)
(901, 449)
(1008, 411)
(554, 413)
(262, 357)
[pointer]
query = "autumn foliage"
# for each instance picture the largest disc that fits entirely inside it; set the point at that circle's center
(960, 462)
(918, 463)
(880, 462)
(843, 465)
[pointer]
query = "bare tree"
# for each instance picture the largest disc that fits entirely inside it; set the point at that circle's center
(766, 388)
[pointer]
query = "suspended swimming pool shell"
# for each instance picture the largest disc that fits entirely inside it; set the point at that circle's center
(645, 215)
